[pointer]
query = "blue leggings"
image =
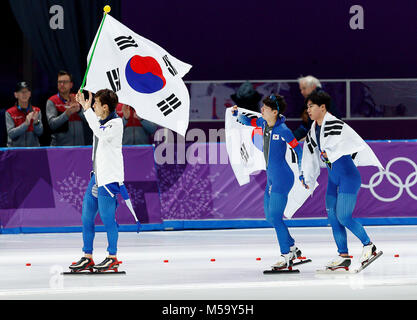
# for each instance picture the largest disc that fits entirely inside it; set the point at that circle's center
(342, 189)
(274, 206)
(106, 205)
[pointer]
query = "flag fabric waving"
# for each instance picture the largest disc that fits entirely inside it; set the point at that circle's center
(144, 75)
(244, 145)
(245, 158)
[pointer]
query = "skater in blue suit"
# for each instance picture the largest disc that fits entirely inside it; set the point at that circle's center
(332, 142)
(280, 177)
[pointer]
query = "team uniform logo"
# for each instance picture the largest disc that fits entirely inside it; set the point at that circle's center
(275, 136)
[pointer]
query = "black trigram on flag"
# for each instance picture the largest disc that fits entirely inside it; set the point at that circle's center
(250, 115)
(114, 79)
(247, 114)
(169, 104)
(333, 128)
(293, 156)
(124, 42)
(311, 144)
(244, 154)
(170, 67)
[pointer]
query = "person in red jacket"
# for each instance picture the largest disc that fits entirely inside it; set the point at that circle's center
(23, 121)
(137, 131)
(65, 115)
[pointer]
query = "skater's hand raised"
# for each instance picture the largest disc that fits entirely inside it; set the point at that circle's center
(86, 104)
(234, 111)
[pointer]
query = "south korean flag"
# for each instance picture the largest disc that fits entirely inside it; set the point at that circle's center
(144, 75)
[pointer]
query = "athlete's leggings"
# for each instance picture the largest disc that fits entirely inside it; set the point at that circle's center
(275, 201)
(342, 189)
(101, 201)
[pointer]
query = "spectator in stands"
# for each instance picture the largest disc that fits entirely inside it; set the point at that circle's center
(136, 130)
(307, 85)
(247, 97)
(23, 121)
(65, 115)
(3, 130)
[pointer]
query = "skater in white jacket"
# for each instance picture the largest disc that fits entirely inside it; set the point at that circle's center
(106, 179)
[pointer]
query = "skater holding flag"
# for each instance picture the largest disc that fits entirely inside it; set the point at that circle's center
(106, 179)
(144, 75)
(281, 178)
(333, 144)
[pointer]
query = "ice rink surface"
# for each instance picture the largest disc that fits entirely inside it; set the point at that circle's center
(190, 273)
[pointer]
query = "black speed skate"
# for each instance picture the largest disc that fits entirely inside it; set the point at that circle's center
(108, 264)
(340, 264)
(84, 264)
(298, 255)
(284, 265)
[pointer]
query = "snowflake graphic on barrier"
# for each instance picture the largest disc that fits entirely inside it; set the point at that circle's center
(189, 197)
(168, 175)
(136, 195)
(71, 190)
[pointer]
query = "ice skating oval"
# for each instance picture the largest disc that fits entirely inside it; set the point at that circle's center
(144, 74)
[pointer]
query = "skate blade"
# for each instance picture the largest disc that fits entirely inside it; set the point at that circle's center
(369, 262)
(92, 273)
(301, 262)
(91, 270)
(340, 271)
(272, 271)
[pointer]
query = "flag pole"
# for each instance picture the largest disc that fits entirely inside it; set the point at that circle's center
(106, 10)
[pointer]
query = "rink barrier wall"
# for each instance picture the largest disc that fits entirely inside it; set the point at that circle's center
(49, 199)
(180, 225)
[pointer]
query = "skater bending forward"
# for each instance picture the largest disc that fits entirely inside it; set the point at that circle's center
(280, 178)
(333, 144)
(106, 178)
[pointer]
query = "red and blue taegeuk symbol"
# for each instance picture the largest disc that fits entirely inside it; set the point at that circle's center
(257, 138)
(144, 74)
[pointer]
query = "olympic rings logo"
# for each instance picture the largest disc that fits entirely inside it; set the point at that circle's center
(394, 179)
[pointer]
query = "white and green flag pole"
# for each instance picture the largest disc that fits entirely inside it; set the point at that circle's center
(106, 10)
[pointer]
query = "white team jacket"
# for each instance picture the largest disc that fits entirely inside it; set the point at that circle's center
(337, 139)
(109, 158)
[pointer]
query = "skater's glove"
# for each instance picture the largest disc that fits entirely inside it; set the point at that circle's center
(323, 157)
(235, 111)
(303, 181)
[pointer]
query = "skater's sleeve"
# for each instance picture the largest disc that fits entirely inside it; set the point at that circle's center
(108, 131)
(254, 122)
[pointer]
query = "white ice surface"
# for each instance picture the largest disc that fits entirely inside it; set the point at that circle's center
(189, 274)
